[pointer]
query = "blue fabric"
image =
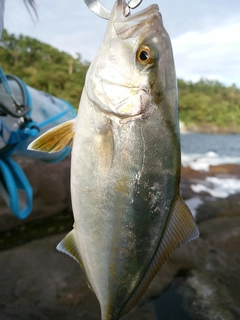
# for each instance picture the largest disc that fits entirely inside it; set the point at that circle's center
(15, 180)
(12, 179)
(51, 120)
(14, 137)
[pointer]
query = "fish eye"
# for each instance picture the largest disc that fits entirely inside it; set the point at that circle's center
(145, 55)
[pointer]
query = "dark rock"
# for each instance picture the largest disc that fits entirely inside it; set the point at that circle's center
(210, 287)
(37, 282)
(212, 207)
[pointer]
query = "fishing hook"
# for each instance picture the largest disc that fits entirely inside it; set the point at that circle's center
(96, 7)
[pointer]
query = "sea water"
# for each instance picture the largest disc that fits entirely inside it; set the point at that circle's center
(200, 151)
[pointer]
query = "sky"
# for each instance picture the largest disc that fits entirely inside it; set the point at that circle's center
(205, 34)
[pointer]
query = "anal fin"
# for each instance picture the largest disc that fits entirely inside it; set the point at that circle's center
(69, 246)
(55, 139)
(180, 228)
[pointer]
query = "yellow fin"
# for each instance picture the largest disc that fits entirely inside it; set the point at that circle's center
(180, 228)
(55, 139)
(69, 246)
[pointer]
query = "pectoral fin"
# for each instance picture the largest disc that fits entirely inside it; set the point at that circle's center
(55, 139)
(180, 228)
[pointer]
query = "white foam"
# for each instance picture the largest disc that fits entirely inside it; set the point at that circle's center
(202, 162)
(218, 187)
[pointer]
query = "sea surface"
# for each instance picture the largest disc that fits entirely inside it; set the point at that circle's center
(199, 151)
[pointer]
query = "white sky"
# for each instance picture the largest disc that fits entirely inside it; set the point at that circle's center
(205, 34)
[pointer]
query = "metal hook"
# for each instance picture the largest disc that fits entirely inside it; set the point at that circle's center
(96, 7)
(134, 3)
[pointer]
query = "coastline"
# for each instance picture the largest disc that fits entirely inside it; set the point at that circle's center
(207, 129)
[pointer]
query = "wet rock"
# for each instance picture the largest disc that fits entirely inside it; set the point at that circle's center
(209, 271)
(207, 205)
(37, 282)
(190, 177)
(207, 299)
(212, 207)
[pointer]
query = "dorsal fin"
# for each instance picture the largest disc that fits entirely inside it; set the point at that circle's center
(69, 246)
(180, 228)
(55, 139)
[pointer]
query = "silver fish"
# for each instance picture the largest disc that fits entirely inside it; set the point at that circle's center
(125, 167)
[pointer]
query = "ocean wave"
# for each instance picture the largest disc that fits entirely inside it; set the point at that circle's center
(218, 187)
(202, 162)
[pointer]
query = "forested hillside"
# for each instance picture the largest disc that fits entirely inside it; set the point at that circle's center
(43, 67)
(208, 106)
(205, 106)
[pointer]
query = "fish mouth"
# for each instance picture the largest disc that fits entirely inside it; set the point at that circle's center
(127, 25)
(122, 10)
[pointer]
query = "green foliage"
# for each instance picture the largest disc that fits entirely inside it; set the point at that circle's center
(43, 67)
(203, 105)
(207, 104)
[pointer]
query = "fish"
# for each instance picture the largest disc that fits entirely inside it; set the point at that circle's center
(129, 216)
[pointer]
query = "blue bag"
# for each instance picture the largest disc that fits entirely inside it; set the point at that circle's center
(25, 113)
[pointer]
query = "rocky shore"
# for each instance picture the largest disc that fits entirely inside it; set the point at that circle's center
(201, 280)
(208, 128)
